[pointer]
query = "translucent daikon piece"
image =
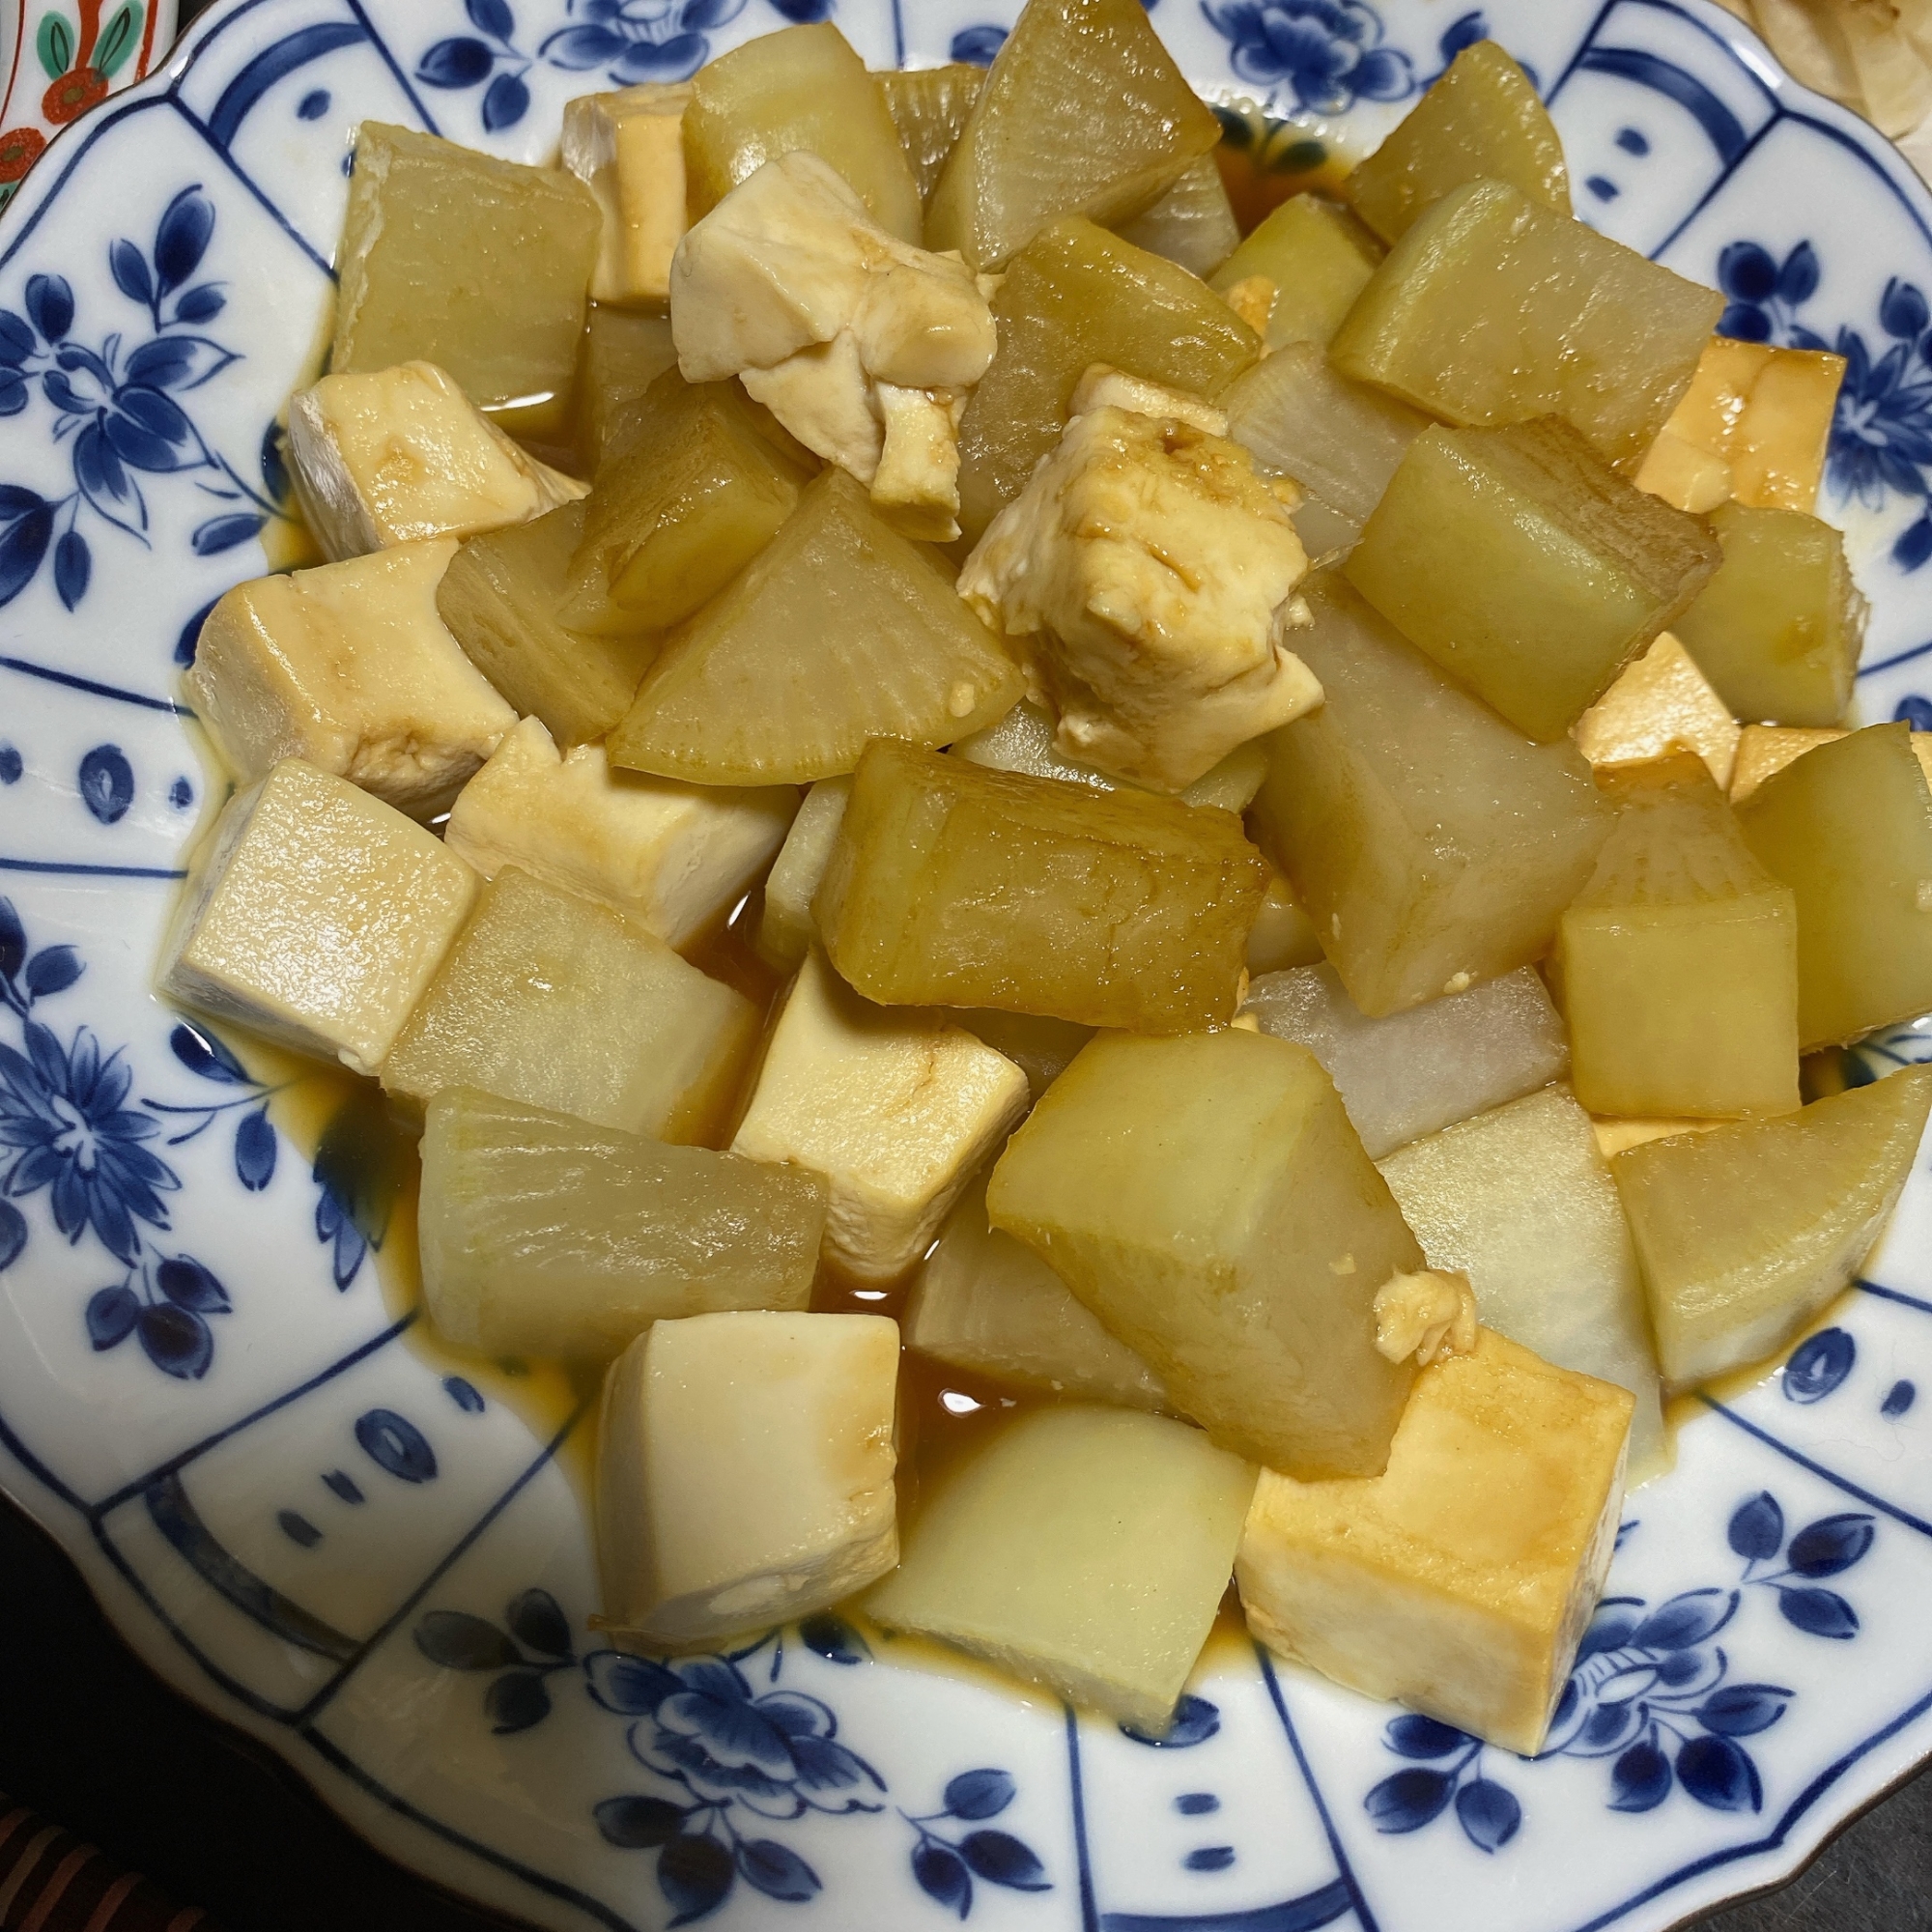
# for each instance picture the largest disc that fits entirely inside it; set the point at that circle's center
(627, 147)
(929, 106)
(1193, 223)
(1412, 1072)
(786, 929)
(1661, 703)
(1765, 749)
(1283, 935)
(745, 1472)
(542, 1235)
(1521, 1201)
(623, 356)
(1459, 1582)
(1083, 1549)
(1315, 259)
(1207, 1199)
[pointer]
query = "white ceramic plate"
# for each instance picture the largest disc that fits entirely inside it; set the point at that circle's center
(214, 1394)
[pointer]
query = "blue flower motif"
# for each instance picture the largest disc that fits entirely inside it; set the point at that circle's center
(1326, 53)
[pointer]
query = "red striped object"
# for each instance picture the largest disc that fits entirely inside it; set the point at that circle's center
(52, 1882)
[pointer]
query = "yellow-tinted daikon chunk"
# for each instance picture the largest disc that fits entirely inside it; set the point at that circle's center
(1316, 257)
(1764, 749)
(1460, 1580)
(1283, 935)
(986, 1303)
(1042, 1048)
(1519, 1199)
(675, 857)
(1033, 149)
(555, 1001)
(627, 147)
(896, 1109)
(1494, 309)
(479, 266)
(542, 1235)
(349, 667)
(1747, 1232)
(1848, 827)
(1679, 959)
(623, 356)
(799, 88)
(929, 106)
(1075, 296)
(1433, 846)
(1193, 223)
(1480, 121)
(1525, 567)
(1661, 703)
(839, 632)
(786, 927)
(1207, 1198)
(958, 886)
(501, 598)
(744, 1471)
(1777, 629)
(314, 916)
(1614, 1133)
(1083, 1548)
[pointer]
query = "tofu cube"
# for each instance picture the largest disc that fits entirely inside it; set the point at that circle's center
(1459, 1580)
(1765, 749)
(673, 856)
(627, 147)
(1661, 703)
(348, 667)
(553, 999)
(897, 1107)
(744, 1471)
(316, 917)
(786, 927)
(1085, 1549)
(402, 453)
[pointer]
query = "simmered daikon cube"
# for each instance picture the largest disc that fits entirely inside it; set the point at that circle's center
(1747, 1232)
(986, 1303)
(479, 266)
(1848, 827)
(1525, 567)
(1207, 1199)
(553, 999)
(1765, 749)
(350, 668)
(1083, 1548)
(623, 356)
(627, 147)
(1411, 1072)
(1033, 149)
(1193, 223)
(542, 1235)
(1283, 935)
(1661, 703)
(1494, 309)
(929, 106)
(1315, 259)
(896, 1109)
(1521, 1201)
(1678, 962)
(839, 632)
(955, 885)
(314, 916)
(1432, 846)
(786, 927)
(745, 1472)
(1777, 630)
(1460, 1580)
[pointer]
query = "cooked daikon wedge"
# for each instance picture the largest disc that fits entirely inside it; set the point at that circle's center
(542, 1235)
(314, 916)
(958, 886)
(1494, 309)
(786, 927)
(500, 599)
(1678, 962)
(1521, 1201)
(896, 1109)
(1432, 846)
(1661, 703)
(1480, 121)
(627, 147)
(675, 857)
(986, 1303)
(553, 999)
(1033, 149)
(839, 632)
(1193, 223)
(623, 356)
(1283, 935)
(929, 106)
(1340, 441)
(745, 1472)
(1765, 749)
(1525, 567)
(1412, 1072)
(1461, 1581)
(1041, 1048)
(1747, 1232)
(693, 493)
(477, 264)
(1073, 296)
(1207, 1198)
(1314, 257)
(1777, 630)
(799, 88)
(349, 667)
(1848, 827)
(1083, 1548)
